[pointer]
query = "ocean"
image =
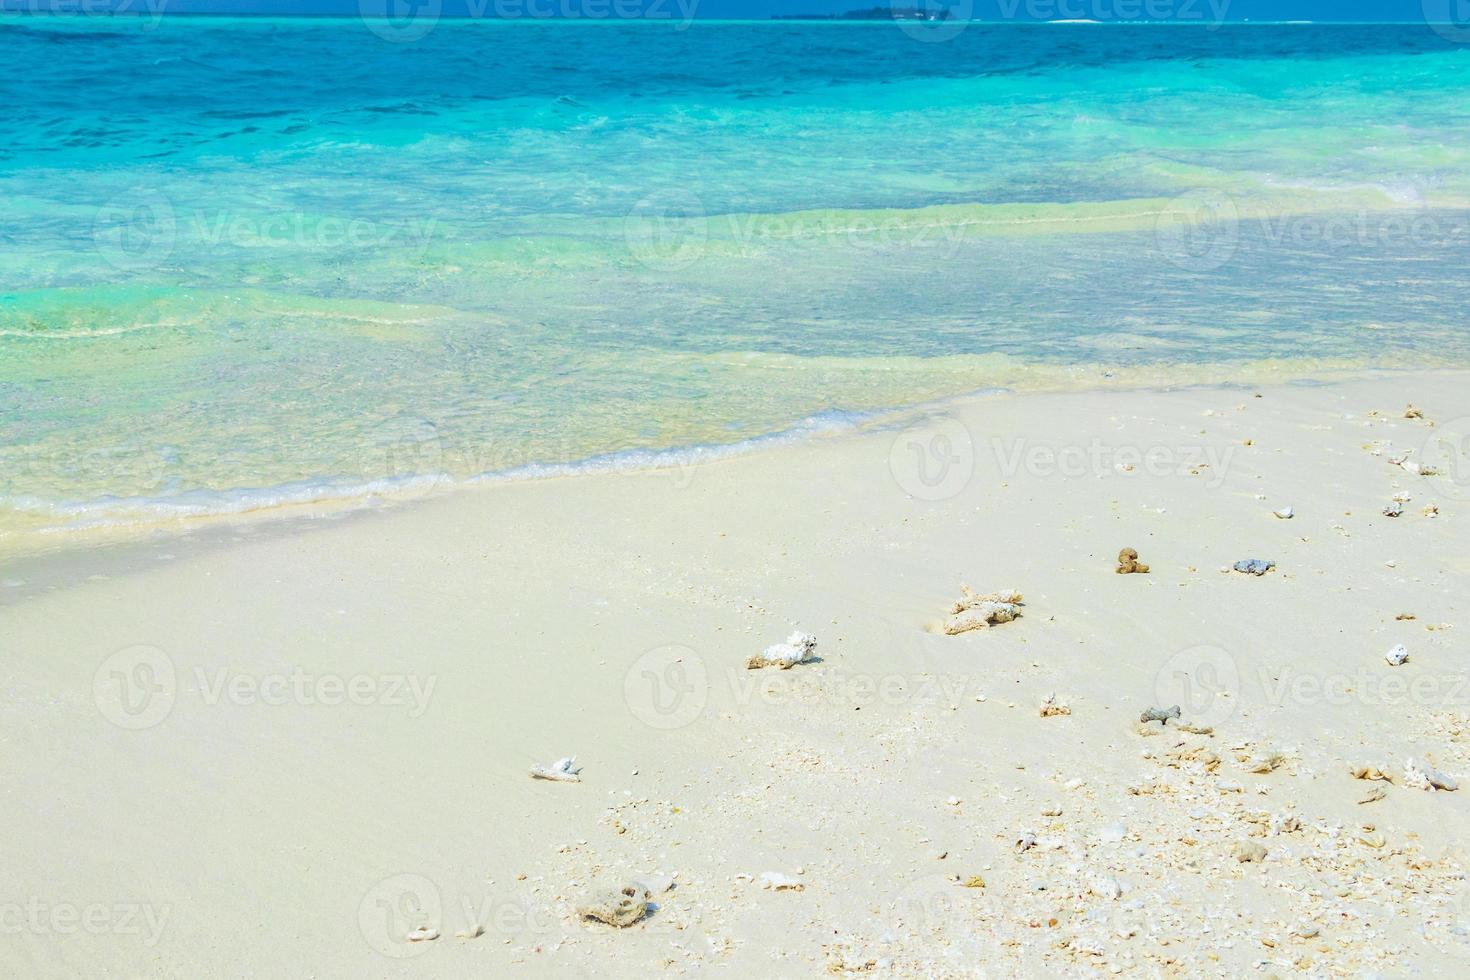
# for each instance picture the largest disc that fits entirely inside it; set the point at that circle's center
(251, 262)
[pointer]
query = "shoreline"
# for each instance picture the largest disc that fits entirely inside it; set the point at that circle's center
(356, 709)
(188, 514)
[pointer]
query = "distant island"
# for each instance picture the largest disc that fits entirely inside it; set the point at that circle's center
(872, 13)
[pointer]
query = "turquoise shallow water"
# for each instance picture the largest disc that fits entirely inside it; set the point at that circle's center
(248, 261)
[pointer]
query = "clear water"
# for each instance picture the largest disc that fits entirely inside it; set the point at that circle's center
(247, 261)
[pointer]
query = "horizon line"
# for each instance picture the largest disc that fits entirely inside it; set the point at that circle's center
(813, 17)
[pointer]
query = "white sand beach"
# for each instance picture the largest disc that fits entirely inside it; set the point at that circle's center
(278, 749)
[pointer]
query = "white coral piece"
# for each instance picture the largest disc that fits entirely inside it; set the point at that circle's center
(1051, 707)
(977, 610)
(560, 771)
(1421, 775)
(796, 650)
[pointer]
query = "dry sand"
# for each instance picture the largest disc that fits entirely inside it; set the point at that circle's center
(277, 752)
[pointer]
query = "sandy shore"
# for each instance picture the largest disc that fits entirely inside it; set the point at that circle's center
(278, 755)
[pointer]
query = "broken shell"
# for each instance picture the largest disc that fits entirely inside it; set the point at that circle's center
(1051, 707)
(473, 932)
(1373, 795)
(1394, 509)
(776, 881)
(561, 771)
(1254, 566)
(1264, 761)
(619, 907)
(423, 934)
(1160, 715)
(1413, 413)
(1248, 852)
(1024, 843)
(1284, 513)
(1398, 656)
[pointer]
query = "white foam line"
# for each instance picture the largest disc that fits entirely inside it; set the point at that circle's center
(110, 511)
